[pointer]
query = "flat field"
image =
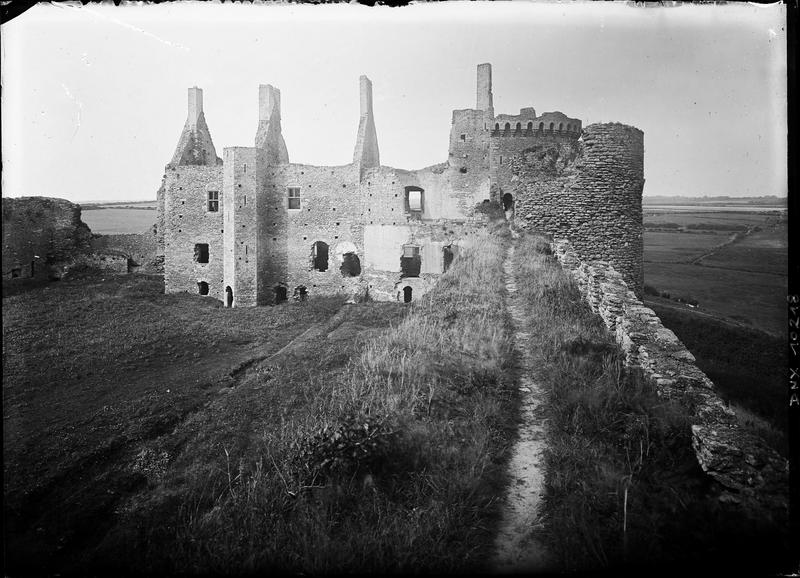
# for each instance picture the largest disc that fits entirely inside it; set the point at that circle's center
(109, 220)
(95, 369)
(739, 275)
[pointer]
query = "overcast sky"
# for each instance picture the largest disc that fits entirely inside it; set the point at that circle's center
(94, 97)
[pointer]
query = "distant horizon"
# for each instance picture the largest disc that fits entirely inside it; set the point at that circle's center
(644, 196)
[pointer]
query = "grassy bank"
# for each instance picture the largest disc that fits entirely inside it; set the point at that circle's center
(379, 452)
(95, 369)
(747, 366)
(623, 489)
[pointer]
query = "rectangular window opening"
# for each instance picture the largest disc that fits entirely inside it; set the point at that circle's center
(410, 262)
(201, 253)
(294, 197)
(213, 201)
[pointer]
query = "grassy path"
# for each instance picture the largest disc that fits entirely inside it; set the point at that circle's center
(517, 547)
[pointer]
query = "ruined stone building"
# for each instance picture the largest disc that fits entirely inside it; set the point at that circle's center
(252, 228)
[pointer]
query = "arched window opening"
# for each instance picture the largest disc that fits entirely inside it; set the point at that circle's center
(319, 256)
(351, 265)
(228, 297)
(407, 294)
(202, 288)
(569, 128)
(551, 126)
(410, 262)
(497, 126)
(560, 126)
(541, 126)
(519, 127)
(280, 294)
(508, 202)
(530, 126)
(508, 126)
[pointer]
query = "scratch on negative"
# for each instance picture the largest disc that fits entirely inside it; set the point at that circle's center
(129, 26)
(80, 109)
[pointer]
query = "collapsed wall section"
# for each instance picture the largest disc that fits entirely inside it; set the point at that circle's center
(434, 245)
(751, 472)
(39, 233)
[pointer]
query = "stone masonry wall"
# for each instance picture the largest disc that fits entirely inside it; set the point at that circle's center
(188, 222)
(141, 248)
(331, 212)
(43, 231)
(240, 191)
(589, 193)
(749, 470)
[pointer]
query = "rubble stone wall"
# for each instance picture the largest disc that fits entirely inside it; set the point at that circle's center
(739, 460)
(588, 191)
(39, 233)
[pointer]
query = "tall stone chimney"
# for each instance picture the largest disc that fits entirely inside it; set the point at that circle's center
(366, 153)
(269, 135)
(484, 101)
(195, 146)
(195, 106)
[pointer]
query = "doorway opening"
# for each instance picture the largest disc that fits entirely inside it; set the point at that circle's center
(448, 254)
(228, 296)
(407, 293)
(280, 294)
(319, 256)
(410, 262)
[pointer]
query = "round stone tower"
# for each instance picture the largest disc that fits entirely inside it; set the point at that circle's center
(605, 199)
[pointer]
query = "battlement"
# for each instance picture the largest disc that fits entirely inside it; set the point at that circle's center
(527, 124)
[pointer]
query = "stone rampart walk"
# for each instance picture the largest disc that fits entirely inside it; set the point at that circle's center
(516, 548)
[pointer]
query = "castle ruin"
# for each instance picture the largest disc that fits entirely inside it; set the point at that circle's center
(251, 228)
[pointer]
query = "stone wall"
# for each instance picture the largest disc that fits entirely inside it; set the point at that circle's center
(588, 191)
(749, 471)
(188, 222)
(109, 262)
(40, 233)
(331, 212)
(143, 249)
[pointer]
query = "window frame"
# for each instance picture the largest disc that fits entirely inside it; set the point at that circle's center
(290, 198)
(214, 200)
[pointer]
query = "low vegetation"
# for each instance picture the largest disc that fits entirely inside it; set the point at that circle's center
(623, 489)
(747, 366)
(368, 455)
(373, 442)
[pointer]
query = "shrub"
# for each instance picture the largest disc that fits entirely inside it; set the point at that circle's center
(650, 290)
(358, 443)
